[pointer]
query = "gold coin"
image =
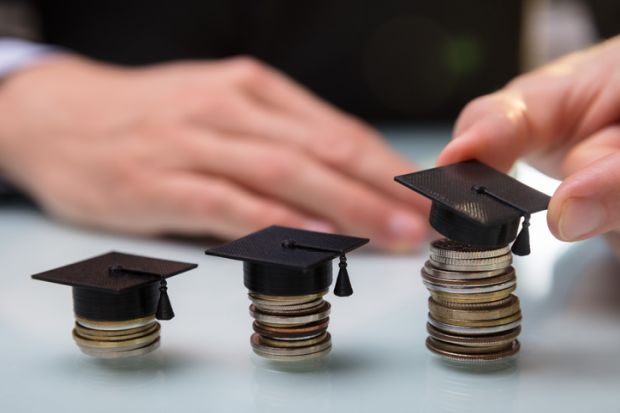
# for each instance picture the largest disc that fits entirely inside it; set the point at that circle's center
(479, 323)
(477, 306)
(94, 335)
(474, 341)
(117, 345)
(473, 331)
(441, 312)
(284, 298)
(442, 297)
(455, 348)
(115, 325)
(111, 354)
(292, 343)
(511, 351)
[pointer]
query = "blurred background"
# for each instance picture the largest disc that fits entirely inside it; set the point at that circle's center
(387, 60)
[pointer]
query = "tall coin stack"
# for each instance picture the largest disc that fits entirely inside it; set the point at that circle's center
(290, 328)
(117, 339)
(473, 314)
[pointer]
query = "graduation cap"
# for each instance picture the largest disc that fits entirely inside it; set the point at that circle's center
(478, 205)
(118, 287)
(289, 261)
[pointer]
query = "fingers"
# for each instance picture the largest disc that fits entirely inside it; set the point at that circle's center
(271, 106)
(305, 184)
(199, 204)
(587, 203)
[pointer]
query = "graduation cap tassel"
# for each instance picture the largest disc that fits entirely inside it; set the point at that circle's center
(343, 283)
(521, 246)
(164, 307)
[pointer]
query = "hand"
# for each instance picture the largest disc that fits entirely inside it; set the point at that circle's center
(564, 119)
(220, 148)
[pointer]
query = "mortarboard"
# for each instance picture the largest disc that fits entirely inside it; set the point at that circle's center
(478, 205)
(117, 286)
(288, 261)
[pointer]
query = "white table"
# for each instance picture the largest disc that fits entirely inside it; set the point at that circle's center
(570, 358)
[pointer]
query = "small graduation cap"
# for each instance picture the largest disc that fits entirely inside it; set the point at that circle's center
(118, 287)
(288, 261)
(478, 205)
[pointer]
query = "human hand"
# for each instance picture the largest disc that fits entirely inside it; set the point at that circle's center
(213, 148)
(563, 118)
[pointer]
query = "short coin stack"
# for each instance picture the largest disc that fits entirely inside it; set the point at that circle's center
(473, 314)
(117, 339)
(290, 328)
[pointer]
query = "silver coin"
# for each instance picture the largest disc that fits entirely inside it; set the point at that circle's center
(472, 331)
(293, 359)
(271, 306)
(291, 351)
(481, 282)
(469, 268)
(115, 325)
(458, 275)
(502, 259)
(105, 354)
(454, 249)
(468, 290)
(286, 320)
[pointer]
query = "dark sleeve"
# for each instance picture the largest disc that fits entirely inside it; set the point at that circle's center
(606, 15)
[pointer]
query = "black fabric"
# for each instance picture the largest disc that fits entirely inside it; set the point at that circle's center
(474, 203)
(380, 59)
(100, 305)
(286, 281)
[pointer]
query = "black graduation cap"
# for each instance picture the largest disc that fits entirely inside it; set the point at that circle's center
(118, 287)
(289, 261)
(478, 205)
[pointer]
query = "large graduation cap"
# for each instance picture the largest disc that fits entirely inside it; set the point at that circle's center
(478, 205)
(289, 261)
(118, 287)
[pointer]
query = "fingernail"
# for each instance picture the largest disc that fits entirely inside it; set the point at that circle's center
(580, 217)
(405, 227)
(318, 226)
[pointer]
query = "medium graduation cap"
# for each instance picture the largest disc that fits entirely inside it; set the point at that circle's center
(289, 261)
(478, 205)
(118, 287)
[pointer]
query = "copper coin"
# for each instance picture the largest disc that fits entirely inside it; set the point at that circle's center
(511, 351)
(298, 331)
(474, 341)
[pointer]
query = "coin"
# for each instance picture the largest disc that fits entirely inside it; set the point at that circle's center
(511, 351)
(440, 311)
(508, 275)
(455, 348)
(106, 354)
(472, 290)
(269, 318)
(90, 334)
(275, 351)
(474, 341)
(479, 323)
(465, 268)
(477, 305)
(288, 298)
(117, 345)
(472, 298)
(271, 306)
(505, 259)
(115, 325)
(473, 331)
(459, 275)
(285, 312)
(293, 343)
(454, 249)
(306, 330)
(292, 359)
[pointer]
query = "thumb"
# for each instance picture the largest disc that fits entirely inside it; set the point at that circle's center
(587, 203)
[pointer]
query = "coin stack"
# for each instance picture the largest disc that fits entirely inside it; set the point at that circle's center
(473, 314)
(117, 339)
(290, 328)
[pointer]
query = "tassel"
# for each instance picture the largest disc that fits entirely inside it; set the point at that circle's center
(164, 308)
(343, 283)
(521, 246)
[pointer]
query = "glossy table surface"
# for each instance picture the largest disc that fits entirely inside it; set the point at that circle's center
(570, 358)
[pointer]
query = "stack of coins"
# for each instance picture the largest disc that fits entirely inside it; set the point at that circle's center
(473, 314)
(290, 328)
(117, 339)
